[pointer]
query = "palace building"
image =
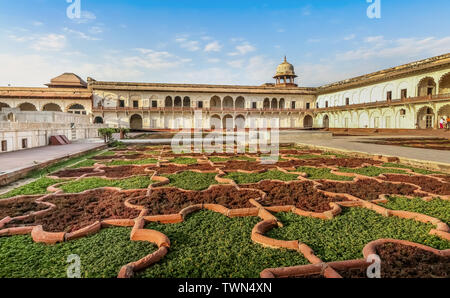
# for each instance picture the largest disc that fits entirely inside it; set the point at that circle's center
(411, 96)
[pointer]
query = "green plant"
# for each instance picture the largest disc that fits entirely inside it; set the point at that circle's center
(322, 173)
(225, 159)
(137, 182)
(210, 245)
(106, 133)
(436, 208)
(344, 237)
(116, 144)
(192, 180)
(84, 164)
(37, 187)
(416, 170)
(102, 255)
(184, 161)
(371, 171)
(146, 161)
(244, 178)
(309, 156)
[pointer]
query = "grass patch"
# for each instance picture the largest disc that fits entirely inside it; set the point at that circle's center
(146, 161)
(85, 164)
(192, 180)
(138, 182)
(107, 153)
(243, 178)
(102, 255)
(416, 170)
(372, 171)
(59, 165)
(210, 245)
(322, 173)
(310, 156)
(239, 158)
(436, 208)
(38, 187)
(184, 161)
(344, 237)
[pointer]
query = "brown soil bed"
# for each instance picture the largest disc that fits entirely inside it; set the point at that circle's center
(300, 194)
(73, 173)
(77, 211)
(19, 207)
(173, 200)
(299, 152)
(121, 171)
(402, 261)
(332, 162)
(428, 143)
(445, 177)
(170, 168)
(426, 183)
(368, 189)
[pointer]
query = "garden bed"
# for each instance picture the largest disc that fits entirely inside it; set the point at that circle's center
(20, 207)
(162, 201)
(121, 171)
(76, 211)
(427, 184)
(368, 189)
(170, 168)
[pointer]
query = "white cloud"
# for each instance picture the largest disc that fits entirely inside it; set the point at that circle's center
(96, 30)
(213, 60)
(37, 23)
(190, 45)
(155, 60)
(402, 48)
(85, 17)
(80, 34)
(243, 49)
(236, 63)
(214, 46)
(350, 37)
(49, 42)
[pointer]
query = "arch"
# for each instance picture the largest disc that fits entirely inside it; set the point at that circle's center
(401, 86)
(228, 102)
(51, 107)
(227, 122)
(426, 87)
(215, 122)
(136, 122)
(187, 102)
(215, 102)
(240, 102)
(376, 94)
(375, 119)
(444, 112)
(239, 122)
(308, 121)
(11, 117)
(77, 109)
(274, 103)
(177, 102)
(27, 107)
(3, 105)
(425, 118)
(363, 120)
(326, 121)
(388, 119)
(98, 120)
(266, 103)
(444, 84)
(364, 96)
(168, 103)
(282, 104)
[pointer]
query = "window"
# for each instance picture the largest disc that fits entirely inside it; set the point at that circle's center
(347, 101)
(254, 106)
(200, 104)
(154, 103)
(317, 105)
(326, 104)
(402, 112)
(293, 105)
(404, 93)
(4, 145)
(430, 91)
(135, 104)
(121, 103)
(308, 105)
(24, 143)
(389, 96)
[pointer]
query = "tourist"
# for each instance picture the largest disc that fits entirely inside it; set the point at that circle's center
(441, 123)
(448, 122)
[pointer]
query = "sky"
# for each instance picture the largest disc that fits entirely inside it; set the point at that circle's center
(238, 42)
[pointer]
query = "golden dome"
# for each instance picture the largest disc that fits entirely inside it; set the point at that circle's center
(285, 69)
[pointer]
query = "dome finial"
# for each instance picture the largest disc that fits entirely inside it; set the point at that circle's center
(285, 59)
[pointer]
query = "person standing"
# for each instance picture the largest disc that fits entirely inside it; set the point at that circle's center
(441, 123)
(448, 122)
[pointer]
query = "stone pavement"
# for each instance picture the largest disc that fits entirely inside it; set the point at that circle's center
(353, 144)
(17, 160)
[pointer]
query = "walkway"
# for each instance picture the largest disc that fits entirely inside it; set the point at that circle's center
(18, 160)
(353, 144)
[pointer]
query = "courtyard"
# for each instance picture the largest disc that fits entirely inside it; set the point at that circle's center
(143, 211)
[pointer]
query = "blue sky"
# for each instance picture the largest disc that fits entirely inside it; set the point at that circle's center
(217, 42)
